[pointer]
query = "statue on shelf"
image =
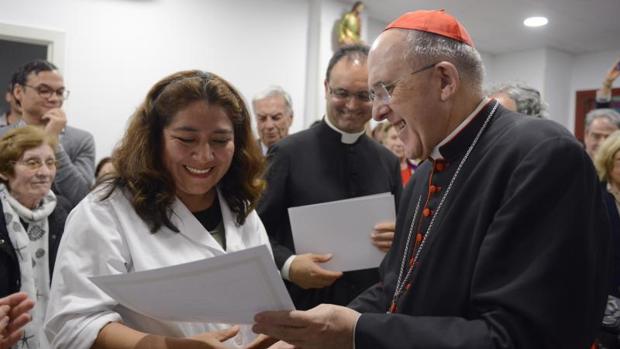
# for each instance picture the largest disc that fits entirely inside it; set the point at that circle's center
(350, 26)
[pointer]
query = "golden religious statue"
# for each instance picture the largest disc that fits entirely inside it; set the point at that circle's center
(350, 26)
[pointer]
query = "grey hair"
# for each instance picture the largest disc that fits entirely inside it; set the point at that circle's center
(610, 114)
(427, 48)
(526, 98)
(273, 91)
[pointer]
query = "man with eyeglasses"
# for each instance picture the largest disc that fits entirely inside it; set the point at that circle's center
(39, 91)
(273, 110)
(502, 240)
(334, 160)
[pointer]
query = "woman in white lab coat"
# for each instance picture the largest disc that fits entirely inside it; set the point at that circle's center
(186, 182)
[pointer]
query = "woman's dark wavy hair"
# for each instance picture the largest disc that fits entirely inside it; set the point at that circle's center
(139, 156)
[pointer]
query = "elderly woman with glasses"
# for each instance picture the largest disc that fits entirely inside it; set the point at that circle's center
(31, 222)
(186, 182)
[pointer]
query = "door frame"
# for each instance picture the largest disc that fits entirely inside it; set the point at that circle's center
(53, 39)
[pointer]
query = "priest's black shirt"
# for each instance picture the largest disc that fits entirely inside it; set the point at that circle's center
(517, 257)
(314, 166)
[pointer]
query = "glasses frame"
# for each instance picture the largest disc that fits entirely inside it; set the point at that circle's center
(349, 95)
(36, 164)
(63, 96)
(384, 91)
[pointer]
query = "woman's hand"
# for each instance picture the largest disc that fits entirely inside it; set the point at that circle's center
(118, 336)
(211, 340)
(262, 342)
(13, 317)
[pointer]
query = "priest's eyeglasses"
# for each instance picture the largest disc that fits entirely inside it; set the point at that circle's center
(383, 92)
(47, 92)
(344, 95)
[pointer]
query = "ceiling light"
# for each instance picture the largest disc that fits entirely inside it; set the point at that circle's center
(535, 21)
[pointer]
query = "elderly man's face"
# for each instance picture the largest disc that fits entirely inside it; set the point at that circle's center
(346, 95)
(273, 119)
(414, 107)
(599, 130)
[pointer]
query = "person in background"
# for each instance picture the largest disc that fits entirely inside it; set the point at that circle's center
(377, 132)
(273, 109)
(40, 92)
(332, 161)
(603, 95)
(396, 146)
(502, 239)
(607, 163)
(520, 98)
(31, 223)
(104, 167)
(599, 124)
(14, 113)
(186, 182)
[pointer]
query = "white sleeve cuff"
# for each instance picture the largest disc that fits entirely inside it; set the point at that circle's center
(354, 328)
(286, 267)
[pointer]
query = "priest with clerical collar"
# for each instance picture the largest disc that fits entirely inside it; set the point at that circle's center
(502, 240)
(332, 161)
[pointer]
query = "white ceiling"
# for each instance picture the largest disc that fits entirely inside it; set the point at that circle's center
(575, 26)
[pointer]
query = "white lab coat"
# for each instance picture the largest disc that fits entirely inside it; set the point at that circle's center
(108, 237)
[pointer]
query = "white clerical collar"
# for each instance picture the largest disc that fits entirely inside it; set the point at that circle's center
(346, 138)
(435, 154)
(263, 147)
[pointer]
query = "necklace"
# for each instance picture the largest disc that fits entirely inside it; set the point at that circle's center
(401, 283)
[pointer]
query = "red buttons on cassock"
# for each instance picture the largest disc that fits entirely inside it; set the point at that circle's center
(440, 166)
(418, 238)
(427, 212)
(433, 189)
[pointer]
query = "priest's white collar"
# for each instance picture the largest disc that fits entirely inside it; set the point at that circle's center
(264, 149)
(435, 154)
(345, 137)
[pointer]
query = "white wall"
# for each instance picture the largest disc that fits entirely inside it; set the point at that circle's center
(556, 88)
(116, 50)
(375, 27)
(523, 66)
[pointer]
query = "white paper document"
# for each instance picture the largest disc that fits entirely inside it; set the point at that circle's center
(230, 288)
(342, 228)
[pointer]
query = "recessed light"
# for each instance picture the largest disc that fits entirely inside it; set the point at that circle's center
(535, 21)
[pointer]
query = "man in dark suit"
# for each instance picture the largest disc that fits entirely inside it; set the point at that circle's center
(502, 240)
(334, 160)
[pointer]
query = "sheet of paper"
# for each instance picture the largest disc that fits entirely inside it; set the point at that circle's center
(230, 288)
(342, 228)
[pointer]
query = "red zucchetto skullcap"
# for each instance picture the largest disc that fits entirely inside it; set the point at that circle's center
(433, 21)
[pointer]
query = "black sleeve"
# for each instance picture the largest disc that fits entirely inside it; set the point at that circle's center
(272, 207)
(539, 278)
